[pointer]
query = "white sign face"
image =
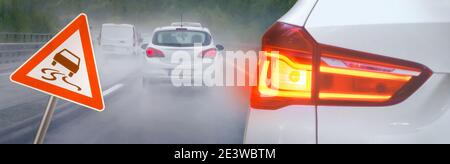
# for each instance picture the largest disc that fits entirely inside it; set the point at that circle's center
(65, 67)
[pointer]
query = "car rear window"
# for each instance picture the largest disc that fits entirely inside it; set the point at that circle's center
(181, 38)
(117, 34)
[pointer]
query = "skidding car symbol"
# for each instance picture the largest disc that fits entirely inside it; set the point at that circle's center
(68, 60)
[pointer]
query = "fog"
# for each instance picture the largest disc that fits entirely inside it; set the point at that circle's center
(158, 113)
(155, 113)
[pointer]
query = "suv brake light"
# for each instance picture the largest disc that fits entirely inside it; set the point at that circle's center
(296, 70)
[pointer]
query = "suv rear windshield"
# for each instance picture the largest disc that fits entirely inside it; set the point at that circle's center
(181, 38)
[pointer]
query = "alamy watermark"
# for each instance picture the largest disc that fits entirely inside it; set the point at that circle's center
(227, 68)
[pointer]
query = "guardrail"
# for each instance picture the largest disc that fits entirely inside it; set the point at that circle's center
(9, 37)
(12, 54)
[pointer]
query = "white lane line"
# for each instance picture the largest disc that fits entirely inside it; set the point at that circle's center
(105, 93)
(112, 89)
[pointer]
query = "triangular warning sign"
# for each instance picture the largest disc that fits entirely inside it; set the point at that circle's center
(65, 67)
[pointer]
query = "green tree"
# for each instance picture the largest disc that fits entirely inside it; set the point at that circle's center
(247, 16)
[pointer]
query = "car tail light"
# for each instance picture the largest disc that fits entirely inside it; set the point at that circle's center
(209, 53)
(350, 77)
(285, 69)
(151, 52)
(295, 70)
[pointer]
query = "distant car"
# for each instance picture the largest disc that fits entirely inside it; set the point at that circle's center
(178, 37)
(68, 60)
(352, 71)
(119, 39)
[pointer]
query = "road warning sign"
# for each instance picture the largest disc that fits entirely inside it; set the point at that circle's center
(65, 67)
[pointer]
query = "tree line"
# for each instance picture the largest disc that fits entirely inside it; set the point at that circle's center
(47, 16)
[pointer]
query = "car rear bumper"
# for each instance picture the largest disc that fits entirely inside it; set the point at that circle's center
(118, 51)
(422, 118)
(290, 125)
(156, 70)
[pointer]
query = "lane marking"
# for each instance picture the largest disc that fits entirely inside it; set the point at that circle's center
(105, 93)
(112, 89)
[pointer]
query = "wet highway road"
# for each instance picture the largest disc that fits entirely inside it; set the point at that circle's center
(134, 113)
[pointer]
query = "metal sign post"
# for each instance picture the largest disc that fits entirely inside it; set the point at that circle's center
(46, 120)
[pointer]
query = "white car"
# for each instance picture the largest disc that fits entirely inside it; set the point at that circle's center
(119, 40)
(189, 39)
(352, 71)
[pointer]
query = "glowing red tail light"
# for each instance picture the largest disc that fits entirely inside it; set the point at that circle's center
(285, 69)
(296, 70)
(209, 53)
(152, 52)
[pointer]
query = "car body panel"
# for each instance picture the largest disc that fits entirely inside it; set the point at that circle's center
(126, 46)
(292, 124)
(413, 30)
(423, 118)
(299, 13)
(160, 68)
